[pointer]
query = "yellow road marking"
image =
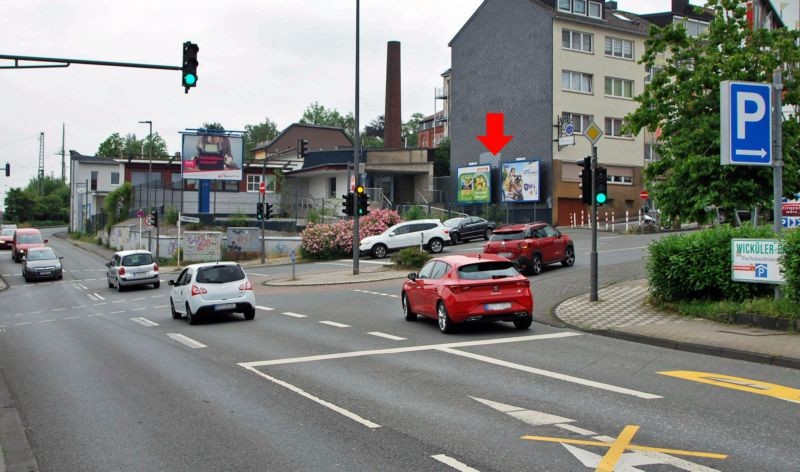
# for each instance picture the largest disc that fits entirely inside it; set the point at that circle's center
(738, 383)
(633, 447)
(617, 448)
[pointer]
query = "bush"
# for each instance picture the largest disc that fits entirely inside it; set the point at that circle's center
(171, 215)
(410, 258)
(237, 221)
(790, 261)
(494, 213)
(415, 213)
(697, 266)
(330, 241)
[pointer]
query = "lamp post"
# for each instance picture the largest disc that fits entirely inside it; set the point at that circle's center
(149, 161)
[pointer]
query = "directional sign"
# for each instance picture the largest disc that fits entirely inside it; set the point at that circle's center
(791, 221)
(190, 219)
(745, 123)
(756, 261)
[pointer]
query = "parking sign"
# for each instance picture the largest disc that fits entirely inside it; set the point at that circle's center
(745, 123)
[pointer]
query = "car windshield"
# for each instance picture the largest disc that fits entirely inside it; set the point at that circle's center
(220, 274)
(7, 232)
(487, 270)
(453, 222)
(137, 259)
(29, 239)
(41, 255)
(507, 236)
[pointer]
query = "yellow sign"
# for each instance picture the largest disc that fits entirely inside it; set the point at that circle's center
(593, 132)
(738, 383)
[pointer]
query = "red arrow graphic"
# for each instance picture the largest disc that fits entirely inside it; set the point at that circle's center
(494, 140)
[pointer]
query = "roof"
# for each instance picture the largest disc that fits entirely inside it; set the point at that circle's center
(520, 227)
(463, 259)
(266, 145)
(76, 156)
(27, 230)
(132, 251)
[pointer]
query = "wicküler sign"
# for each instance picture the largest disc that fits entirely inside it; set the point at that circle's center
(756, 261)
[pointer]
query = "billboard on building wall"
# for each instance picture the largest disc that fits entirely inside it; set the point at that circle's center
(212, 157)
(520, 182)
(474, 184)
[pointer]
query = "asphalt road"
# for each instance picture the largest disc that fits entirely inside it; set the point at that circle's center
(334, 378)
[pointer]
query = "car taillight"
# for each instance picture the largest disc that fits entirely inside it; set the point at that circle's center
(155, 267)
(121, 271)
(459, 288)
(524, 283)
(198, 290)
(246, 286)
(446, 231)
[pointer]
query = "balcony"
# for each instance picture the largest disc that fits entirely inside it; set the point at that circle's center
(440, 93)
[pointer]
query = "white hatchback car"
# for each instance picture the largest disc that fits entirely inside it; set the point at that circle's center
(211, 288)
(132, 268)
(431, 234)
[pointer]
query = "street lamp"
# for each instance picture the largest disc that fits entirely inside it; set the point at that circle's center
(149, 161)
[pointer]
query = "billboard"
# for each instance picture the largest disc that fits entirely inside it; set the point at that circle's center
(212, 156)
(520, 182)
(474, 184)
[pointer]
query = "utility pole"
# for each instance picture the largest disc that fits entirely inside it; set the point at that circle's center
(777, 159)
(41, 164)
(63, 154)
(593, 255)
(149, 161)
(356, 147)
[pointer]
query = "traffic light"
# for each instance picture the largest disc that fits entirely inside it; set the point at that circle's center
(267, 211)
(189, 70)
(302, 146)
(154, 218)
(600, 185)
(347, 204)
(363, 201)
(260, 211)
(8, 169)
(586, 180)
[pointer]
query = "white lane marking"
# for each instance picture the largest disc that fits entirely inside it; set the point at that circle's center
(158, 296)
(137, 299)
(72, 317)
(116, 312)
(161, 306)
(98, 304)
(326, 404)
(186, 341)
(387, 336)
(23, 324)
(256, 273)
(120, 301)
(80, 306)
(91, 297)
(575, 429)
(399, 350)
(83, 286)
(532, 417)
(16, 315)
(554, 375)
(447, 460)
(334, 324)
(144, 322)
(139, 309)
(45, 321)
(58, 309)
(96, 314)
(265, 308)
(294, 315)
(36, 312)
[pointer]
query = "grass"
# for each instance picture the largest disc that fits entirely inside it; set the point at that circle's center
(721, 310)
(83, 237)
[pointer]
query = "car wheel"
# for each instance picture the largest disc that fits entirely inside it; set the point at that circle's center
(410, 315)
(523, 323)
(445, 324)
(110, 285)
(175, 314)
(157, 285)
(569, 257)
(455, 238)
(117, 285)
(250, 313)
(436, 245)
(378, 251)
(487, 234)
(536, 265)
(191, 318)
(25, 276)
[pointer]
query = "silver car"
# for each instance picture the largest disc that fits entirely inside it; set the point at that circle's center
(42, 263)
(132, 268)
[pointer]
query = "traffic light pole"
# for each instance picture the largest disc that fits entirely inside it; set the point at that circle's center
(356, 148)
(593, 255)
(263, 198)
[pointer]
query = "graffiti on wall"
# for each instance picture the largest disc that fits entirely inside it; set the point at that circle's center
(120, 237)
(202, 246)
(243, 239)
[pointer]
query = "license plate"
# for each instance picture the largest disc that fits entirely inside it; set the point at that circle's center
(45, 273)
(497, 306)
(140, 273)
(225, 306)
(504, 254)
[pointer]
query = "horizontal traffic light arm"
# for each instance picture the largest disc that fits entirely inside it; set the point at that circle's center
(64, 62)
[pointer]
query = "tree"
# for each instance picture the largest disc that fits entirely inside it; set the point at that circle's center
(257, 135)
(410, 130)
(116, 146)
(215, 126)
(683, 100)
(375, 128)
(29, 205)
(316, 114)
(112, 146)
(441, 159)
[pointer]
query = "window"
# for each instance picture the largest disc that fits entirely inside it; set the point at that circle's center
(621, 48)
(93, 182)
(595, 9)
(650, 152)
(693, 27)
(579, 122)
(565, 5)
(619, 87)
(115, 178)
(579, 7)
(614, 128)
(176, 180)
(576, 81)
(425, 272)
(576, 40)
(439, 270)
(332, 187)
(190, 184)
(650, 73)
(253, 181)
(225, 185)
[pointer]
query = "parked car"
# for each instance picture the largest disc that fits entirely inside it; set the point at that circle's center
(531, 246)
(467, 288)
(6, 236)
(132, 268)
(24, 239)
(42, 263)
(464, 228)
(211, 288)
(432, 234)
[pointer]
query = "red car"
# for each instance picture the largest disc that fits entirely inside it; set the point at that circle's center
(24, 239)
(470, 287)
(6, 236)
(532, 246)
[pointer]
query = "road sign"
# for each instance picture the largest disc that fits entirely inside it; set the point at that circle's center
(569, 129)
(262, 187)
(756, 260)
(791, 209)
(593, 133)
(791, 221)
(566, 140)
(140, 213)
(644, 194)
(745, 123)
(190, 219)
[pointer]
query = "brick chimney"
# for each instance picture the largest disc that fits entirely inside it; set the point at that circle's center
(393, 121)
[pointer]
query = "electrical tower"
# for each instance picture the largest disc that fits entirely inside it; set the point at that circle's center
(41, 164)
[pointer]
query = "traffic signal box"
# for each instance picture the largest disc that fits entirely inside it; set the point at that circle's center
(586, 180)
(363, 201)
(302, 147)
(347, 203)
(8, 169)
(267, 211)
(260, 211)
(600, 185)
(154, 218)
(189, 69)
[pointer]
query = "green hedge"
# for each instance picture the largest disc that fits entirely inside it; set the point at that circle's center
(790, 261)
(410, 258)
(697, 266)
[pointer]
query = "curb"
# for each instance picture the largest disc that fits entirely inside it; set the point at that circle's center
(15, 450)
(377, 277)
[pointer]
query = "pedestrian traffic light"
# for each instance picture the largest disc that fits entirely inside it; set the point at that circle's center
(302, 146)
(189, 69)
(267, 211)
(600, 185)
(8, 169)
(586, 180)
(154, 217)
(347, 204)
(363, 201)
(260, 211)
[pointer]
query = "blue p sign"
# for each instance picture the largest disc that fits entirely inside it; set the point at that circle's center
(745, 123)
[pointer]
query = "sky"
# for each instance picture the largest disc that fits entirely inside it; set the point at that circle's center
(258, 59)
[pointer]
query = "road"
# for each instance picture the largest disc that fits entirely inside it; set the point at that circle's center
(334, 378)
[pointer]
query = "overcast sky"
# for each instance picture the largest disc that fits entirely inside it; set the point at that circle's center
(258, 58)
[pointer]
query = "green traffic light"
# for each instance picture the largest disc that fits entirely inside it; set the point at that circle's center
(601, 198)
(190, 79)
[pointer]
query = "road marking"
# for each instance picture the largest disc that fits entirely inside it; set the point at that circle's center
(144, 322)
(161, 306)
(16, 315)
(575, 429)
(737, 383)
(96, 314)
(618, 446)
(265, 308)
(387, 336)
(23, 323)
(120, 301)
(137, 299)
(45, 321)
(185, 340)
(98, 304)
(531, 417)
(72, 318)
(79, 306)
(92, 297)
(116, 312)
(140, 309)
(303, 393)
(158, 296)
(294, 315)
(447, 460)
(256, 273)
(36, 312)
(554, 375)
(58, 309)
(334, 324)
(632, 447)
(83, 286)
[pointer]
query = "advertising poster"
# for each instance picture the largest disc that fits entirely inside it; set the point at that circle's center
(520, 182)
(756, 260)
(474, 184)
(212, 157)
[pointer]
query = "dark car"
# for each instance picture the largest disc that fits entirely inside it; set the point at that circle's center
(465, 228)
(532, 246)
(41, 263)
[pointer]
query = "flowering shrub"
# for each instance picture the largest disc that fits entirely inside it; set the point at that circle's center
(331, 241)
